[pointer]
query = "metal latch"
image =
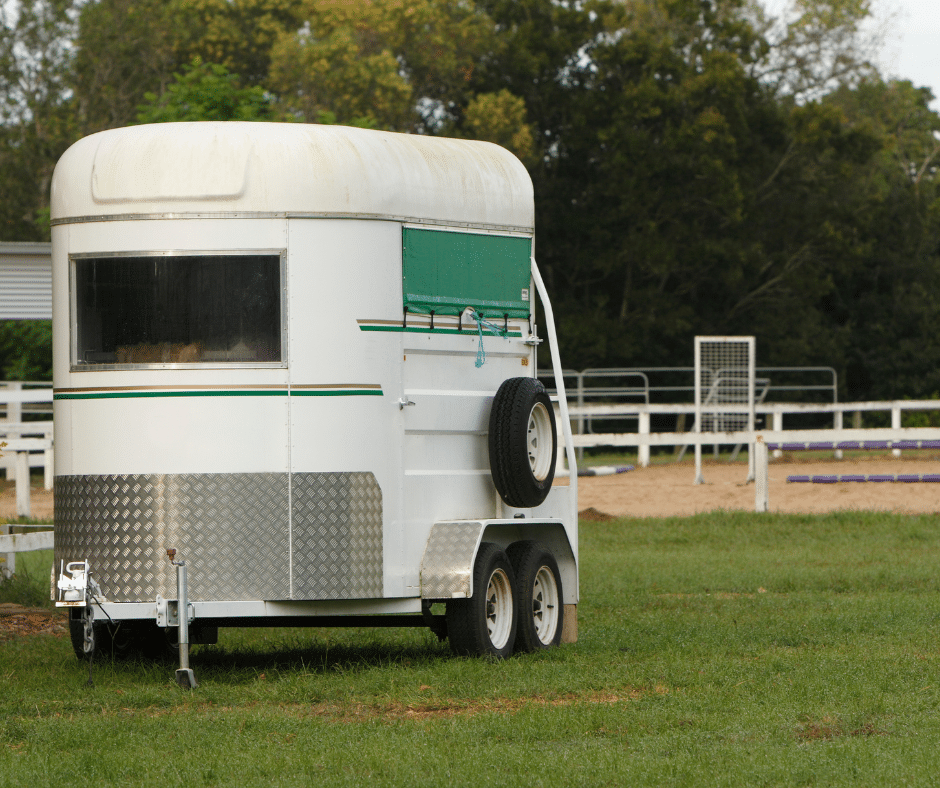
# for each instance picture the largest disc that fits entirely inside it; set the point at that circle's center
(404, 402)
(533, 341)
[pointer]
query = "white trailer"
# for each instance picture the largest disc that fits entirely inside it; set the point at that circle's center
(303, 358)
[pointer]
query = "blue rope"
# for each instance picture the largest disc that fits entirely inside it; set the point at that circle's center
(492, 328)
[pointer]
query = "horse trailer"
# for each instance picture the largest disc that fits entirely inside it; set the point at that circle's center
(295, 384)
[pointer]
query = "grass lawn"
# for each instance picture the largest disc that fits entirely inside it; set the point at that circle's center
(724, 649)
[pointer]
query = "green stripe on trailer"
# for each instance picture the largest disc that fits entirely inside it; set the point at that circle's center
(465, 332)
(227, 393)
(445, 272)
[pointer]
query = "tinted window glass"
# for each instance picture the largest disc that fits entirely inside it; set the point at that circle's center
(178, 310)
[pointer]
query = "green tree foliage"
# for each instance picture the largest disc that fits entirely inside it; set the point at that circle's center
(205, 91)
(36, 123)
(238, 34)
(404, 65)
(26, 349)
(124, 49)
(501, 118)
(128, 48)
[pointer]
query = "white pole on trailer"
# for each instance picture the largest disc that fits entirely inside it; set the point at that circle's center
(559, 387)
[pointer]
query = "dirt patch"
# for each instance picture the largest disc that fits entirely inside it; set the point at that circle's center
(593, 515)
(16, 621)
(446, 709)
(40, 501)
(668, 490)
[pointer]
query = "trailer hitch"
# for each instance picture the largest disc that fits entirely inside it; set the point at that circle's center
(184, 676)
(75, 584)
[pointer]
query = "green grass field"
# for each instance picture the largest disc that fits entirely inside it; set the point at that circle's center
(724, 649)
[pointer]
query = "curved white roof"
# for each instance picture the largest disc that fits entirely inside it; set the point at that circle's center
(293, 169)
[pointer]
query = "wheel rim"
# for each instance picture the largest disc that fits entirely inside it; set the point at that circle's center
(539, 441)
(499, 609)
(545, 605)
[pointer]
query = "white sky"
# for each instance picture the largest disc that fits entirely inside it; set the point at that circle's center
(912, 40)
(912, 48)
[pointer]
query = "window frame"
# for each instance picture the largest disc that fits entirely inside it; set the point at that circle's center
(74, 259)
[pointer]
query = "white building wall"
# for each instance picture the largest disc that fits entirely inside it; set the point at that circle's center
(25, 281)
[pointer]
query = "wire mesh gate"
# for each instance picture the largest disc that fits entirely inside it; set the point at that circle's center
(724, 390)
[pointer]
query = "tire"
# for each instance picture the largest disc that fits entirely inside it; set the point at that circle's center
(540, 603)
(83, 650)
(522, 442)
(121, 641)
(485, 624)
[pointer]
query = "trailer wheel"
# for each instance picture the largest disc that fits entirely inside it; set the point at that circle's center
(522, 442)
(101, 638)
(121, 641)
(485, 624)
(540, 608)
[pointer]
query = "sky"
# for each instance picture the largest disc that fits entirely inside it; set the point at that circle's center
(912, 46)
(912, 40)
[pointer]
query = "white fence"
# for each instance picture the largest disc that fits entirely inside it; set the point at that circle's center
(13, 543)
(643, 438)
(761, 440)
(29, 444)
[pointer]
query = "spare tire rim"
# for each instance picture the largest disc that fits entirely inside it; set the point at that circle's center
(539, 441)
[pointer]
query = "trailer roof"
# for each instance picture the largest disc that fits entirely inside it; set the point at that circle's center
(291, 169)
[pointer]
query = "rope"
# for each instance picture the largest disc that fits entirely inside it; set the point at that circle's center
(492, 328)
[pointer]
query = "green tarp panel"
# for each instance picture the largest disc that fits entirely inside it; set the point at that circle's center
(445, 272)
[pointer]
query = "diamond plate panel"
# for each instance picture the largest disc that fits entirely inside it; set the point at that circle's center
(448, 559)
(336, 538)
(231, 529)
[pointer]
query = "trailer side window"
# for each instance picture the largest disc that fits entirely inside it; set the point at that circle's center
(177, 309)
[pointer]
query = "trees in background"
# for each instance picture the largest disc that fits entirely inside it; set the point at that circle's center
(699, 168)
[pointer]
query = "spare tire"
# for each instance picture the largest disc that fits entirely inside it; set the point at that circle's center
(522, 442)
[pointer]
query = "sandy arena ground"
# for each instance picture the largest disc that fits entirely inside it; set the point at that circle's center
(667, 490)
(40, 502)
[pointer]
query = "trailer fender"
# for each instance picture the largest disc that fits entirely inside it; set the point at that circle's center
(447, 564)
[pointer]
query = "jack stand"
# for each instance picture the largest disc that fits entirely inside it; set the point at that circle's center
(184, 676)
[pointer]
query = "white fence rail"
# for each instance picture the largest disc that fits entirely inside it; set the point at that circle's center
(13, 543)
(29, 444)
(643, 438)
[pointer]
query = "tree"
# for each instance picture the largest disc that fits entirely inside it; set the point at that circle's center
(128, 48)
(205, 91)
(500, 118)
(402, 65)
(124, 49)
(889, 300)
(26, 349)
(815, 46)
(35, 121)
(237, 34)
(342, 63)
